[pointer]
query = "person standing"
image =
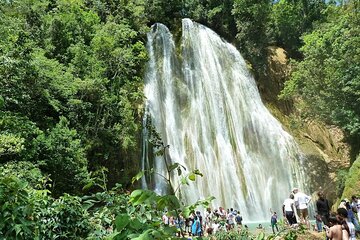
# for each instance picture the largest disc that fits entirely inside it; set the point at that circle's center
(355, 203)
(238, 220)
(196, 227)
(274, 221)
(198, 214)
(301, 201)
(289, 209)
(208, 219)
(222, 213)
(231, 220)
(351, 215)
(165, 218)
(319, 223)
(323, 208)
(179, 222)
(189, 223)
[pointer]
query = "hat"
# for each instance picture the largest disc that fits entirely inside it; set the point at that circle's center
(295, 189)
(345, 200)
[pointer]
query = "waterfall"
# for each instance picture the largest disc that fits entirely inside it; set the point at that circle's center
(205, 104)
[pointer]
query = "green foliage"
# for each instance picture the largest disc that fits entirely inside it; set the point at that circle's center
(68, 23)
(291, 235)
(64, 159)
(167, 12)
(222, 235)
(27, 213)
(26, 171)
(290, 19)
(70, 219)
(341, 176)
(251, 18)
(17, 138)
(2, 102)
(102, 207)
(328, 77)
(16, 208)
(71, 100)
(352, 182)
(244, 234)
(63, 58)
(97, 179)
(215, 14)
(31, 214)
(10, 144)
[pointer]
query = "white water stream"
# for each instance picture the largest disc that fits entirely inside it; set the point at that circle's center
(205, 104)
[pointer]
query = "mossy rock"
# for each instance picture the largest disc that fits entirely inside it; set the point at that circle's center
(352, 183)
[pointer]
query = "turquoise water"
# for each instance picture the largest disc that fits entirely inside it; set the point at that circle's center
(266, 226)
(253, 226)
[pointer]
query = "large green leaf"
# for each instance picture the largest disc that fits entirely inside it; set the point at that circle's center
(135, 224)
(122, 221)
(170, 202)
(142, 196)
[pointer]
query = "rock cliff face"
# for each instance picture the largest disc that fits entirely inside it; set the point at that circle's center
(323, 145)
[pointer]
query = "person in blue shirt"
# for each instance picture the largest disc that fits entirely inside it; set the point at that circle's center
(196, 227)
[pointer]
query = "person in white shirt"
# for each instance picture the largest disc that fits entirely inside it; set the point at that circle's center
(301, 201)
(208, 219)
(165, 218)
(289, 209)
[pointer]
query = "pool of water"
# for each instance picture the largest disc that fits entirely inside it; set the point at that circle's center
(266, 226)
(254, 226)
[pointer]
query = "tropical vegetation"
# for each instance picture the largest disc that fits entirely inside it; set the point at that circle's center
(71, 101)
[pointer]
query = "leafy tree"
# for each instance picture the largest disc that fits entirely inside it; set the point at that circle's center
(61, 59)
(68, 22)
(168, 12)
(290, 19)
(16, 210)
(17, 136)
(214, 14)
(64, 158)
(32, 214)
(26, 171)
(251, 18)
(328, 77)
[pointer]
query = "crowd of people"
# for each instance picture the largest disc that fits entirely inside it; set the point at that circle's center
(340, 225)
(210, 222)
(344, 224)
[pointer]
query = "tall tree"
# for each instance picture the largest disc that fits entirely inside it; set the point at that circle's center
(290, 19)
(61, 60)
(251, 19)
(328, 79)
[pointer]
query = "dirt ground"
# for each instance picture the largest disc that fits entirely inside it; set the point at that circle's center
(311, 235)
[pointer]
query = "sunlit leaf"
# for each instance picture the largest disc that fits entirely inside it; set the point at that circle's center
(192, 176)
(138, 176)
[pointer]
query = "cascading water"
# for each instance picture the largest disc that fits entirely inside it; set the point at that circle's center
(206, 106)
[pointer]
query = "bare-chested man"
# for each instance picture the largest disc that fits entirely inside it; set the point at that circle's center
(335, 231)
